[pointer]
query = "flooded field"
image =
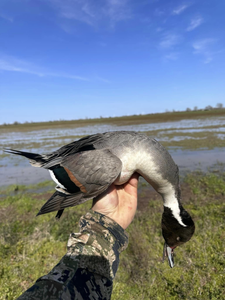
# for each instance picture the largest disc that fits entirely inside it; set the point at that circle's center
(193, 143)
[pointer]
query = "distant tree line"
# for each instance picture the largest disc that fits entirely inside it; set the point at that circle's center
(208, 107)
(188, 109)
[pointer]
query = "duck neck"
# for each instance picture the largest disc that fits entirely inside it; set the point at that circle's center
(171, 200)
(158, 169)
(171, 196)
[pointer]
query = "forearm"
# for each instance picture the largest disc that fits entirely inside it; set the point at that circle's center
(89, 267)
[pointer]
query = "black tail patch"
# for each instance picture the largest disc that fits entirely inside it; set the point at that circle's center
(32, 156)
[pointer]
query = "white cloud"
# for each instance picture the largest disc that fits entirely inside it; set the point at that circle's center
(93, 12)
(7, 18)
(208, 58)
(169, 40)
(180, 9)
(171, 56)
(15, 65)
(117, 10)
(98, 78)
(202, 45)
(159, 12)
(65, 75)
(204, 48)
(12, 64)
(195, 22)
(159, 29)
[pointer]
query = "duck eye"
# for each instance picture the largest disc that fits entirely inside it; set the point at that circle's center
(178, 238)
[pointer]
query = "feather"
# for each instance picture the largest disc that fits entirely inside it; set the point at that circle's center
(59, 201)
(36, 160)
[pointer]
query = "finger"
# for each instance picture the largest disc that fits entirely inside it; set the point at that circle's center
(131, 186)
(134, 180)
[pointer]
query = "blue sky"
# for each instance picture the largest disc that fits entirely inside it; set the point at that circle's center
(71, 59)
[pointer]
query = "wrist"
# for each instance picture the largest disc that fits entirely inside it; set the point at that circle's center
(97, 222)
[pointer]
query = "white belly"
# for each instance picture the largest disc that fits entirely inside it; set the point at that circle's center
(129, 166)
(138, 161)
(123, 177)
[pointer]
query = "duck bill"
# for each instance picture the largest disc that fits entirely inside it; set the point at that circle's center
(167, 251)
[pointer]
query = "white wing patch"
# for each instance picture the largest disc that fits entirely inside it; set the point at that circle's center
(55, 180)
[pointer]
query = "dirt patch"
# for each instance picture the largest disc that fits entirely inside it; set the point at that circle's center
(186, 193)
(145, 196)
(7, 214)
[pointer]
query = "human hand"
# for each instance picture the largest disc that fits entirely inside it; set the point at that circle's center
(119, 202)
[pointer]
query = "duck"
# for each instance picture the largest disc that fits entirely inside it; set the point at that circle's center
(85, 168)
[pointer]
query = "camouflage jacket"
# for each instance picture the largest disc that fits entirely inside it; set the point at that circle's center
(89, 266)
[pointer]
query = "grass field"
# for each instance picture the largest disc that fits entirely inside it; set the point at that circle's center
(31, 246)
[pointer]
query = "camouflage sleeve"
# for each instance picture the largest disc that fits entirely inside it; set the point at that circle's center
(89, 266)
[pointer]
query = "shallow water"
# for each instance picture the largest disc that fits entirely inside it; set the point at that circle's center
(16, 170)
(50, 139)
(187, 160)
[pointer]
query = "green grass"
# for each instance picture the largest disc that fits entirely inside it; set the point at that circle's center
(30, 246)
(199, 271)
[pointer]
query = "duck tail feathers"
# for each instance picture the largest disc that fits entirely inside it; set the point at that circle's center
(36, 160)
(59, 201)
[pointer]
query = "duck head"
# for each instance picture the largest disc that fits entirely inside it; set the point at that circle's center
(176, 231)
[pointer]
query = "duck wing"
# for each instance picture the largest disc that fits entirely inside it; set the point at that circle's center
(50, 160)
(82, 145)
(90, 173)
